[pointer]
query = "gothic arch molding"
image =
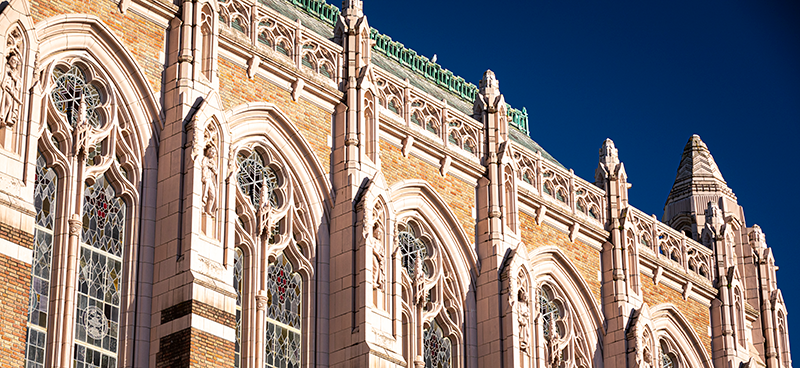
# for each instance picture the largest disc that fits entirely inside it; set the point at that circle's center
(669, 322)
(131, 131)
(455, 267)
(86, 35)
(263, 128)
(553, 267)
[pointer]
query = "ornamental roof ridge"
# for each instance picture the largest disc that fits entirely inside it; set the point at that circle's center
(421, 65)
(319, 9)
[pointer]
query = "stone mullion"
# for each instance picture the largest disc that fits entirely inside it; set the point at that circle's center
(66, 325)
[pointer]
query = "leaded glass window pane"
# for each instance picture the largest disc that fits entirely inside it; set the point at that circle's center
(549, 312)
(437, 347)
(44, 201)
(237, 284)
(253, 176)
(284, 294)
(99, 277)
(70, 85)
(412, 250)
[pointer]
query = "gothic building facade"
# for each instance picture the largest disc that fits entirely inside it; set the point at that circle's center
(274, 183)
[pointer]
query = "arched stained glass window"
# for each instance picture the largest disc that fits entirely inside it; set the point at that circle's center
(412, 250)
(438, 350)
(238, 278)
(253, 176)
(284, 295)
(44, 201)
(70, 85)
(99, 277)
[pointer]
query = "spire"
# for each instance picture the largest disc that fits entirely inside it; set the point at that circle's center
(697, 182)
(698, 173)
(697, 162)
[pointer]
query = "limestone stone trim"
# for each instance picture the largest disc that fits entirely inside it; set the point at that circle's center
(197, 308)
(16, 251)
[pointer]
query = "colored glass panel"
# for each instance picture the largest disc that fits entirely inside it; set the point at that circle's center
(438, 350)
(99, 277)
(44, 201)
(284, 295)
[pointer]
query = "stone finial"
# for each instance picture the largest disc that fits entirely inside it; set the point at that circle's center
(353, 7)
(489, 84)
(757, 237)
(609, 155)
(609, 166)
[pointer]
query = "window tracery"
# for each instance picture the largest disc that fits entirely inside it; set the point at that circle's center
(81, 106)
(668, 358)
(253, 177)
(561, 338)
(412, 250)
(72, 86)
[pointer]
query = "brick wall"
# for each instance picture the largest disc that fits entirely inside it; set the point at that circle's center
(459, 195)
(200, 309)
(314, 123)
(16, 236)
(582, 256)
(141, 37)
(194, 348)
(15, 282)
(695, 312)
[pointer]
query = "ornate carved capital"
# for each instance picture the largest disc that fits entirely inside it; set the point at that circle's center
(75, 225)
(261, 302)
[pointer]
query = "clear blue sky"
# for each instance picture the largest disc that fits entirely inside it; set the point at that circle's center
(647, 74)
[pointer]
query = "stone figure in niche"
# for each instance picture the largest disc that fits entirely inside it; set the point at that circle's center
(81, 130)
(552, 345)
(10, 101)
(209, 180)
(265, 219)
(523, 316)
(378, 256)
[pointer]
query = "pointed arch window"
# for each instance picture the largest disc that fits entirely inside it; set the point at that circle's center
(99, 277)
(438, 349)
(284, 296)
(44, 202)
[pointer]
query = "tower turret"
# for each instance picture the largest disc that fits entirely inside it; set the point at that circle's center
(697, 182)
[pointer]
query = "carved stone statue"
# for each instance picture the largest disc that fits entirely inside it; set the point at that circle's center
(523, 316)
(552, 345)
(378, 256)
(265, 220)
(209, 180)
(10, 101)
(81, 130)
